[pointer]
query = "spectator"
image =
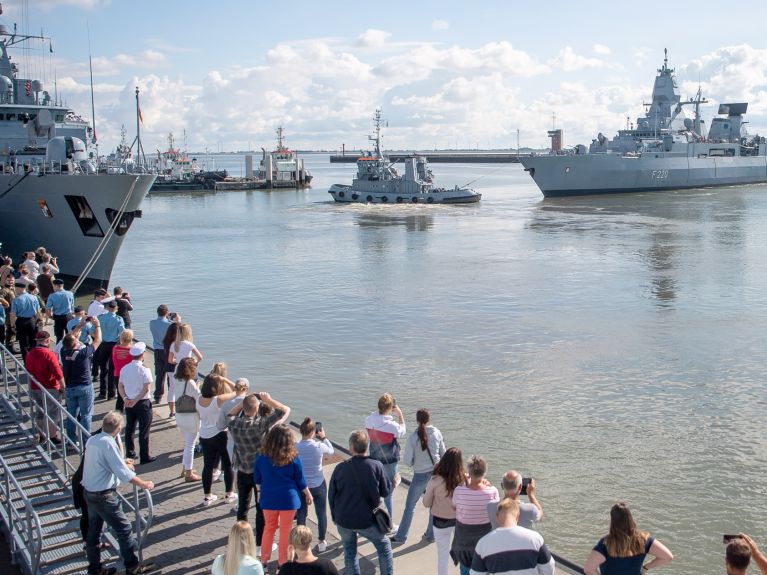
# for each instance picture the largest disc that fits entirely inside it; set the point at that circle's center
(623, 549)
(471, 522)
(422, 452)
(313, 445)
(447, 475)
(183, 346)
(7, 294)
(248, 428)
(103, 470)
(240, 557)
(510, 548)
(2, 321)
(24, 310)
(100, 298)
(241, 387)
(279, 475)
(32, 266)
(738, 556)
(302, 561)
(124, 305)
(60, 305)
(6, 269)
(76, 360)
(86, 327)
(219, 368)
(45, 281)
(215, 391)
(384, 431)
(23, 278)
(120, 358)
(356, 488)
(170, 368)
(51, 262)
(111, 327)
(512, 488)
(188, 423)
(43, 366)
(158, 327)
(135, 382)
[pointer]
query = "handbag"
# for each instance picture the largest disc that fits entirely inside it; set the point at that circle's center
(186, 403)
(381, 516)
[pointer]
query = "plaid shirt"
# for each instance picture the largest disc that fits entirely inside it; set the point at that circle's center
(247, 433)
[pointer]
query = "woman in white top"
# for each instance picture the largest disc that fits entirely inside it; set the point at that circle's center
(188, 423)
(215, 391)
(183, 346)
(240, 556)
(311, 448)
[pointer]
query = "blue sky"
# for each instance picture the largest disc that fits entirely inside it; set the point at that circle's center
(446, 73)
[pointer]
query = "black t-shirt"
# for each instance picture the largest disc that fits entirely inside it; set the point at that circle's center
(76, 365)
(321, 566)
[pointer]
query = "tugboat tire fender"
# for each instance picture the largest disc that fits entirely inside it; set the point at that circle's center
(341, 194)
(369, 198)
(430, 200)
(355, 196)
(415, 199)
(384, 199)
(399, 199)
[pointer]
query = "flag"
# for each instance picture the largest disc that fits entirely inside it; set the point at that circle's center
(140, 117)
(50, 47)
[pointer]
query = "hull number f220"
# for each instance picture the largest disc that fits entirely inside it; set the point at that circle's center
(659, 174)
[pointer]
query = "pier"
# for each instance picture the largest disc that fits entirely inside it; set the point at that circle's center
(466, 157)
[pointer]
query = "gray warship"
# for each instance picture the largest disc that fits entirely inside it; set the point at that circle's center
(52, 193)
(667, 149)
(377, 181)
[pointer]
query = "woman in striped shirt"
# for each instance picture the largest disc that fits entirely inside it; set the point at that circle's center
(472, 523)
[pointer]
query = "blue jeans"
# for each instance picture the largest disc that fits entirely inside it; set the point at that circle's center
(104, 506)
(320, 496)
(463, 569)
(79, 406)
(380, 542)
(390, 470)
(417, 488)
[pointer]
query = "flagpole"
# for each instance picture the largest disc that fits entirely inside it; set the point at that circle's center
(138, 130)
(93, 102)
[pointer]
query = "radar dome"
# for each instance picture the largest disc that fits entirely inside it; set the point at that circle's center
(61, 149)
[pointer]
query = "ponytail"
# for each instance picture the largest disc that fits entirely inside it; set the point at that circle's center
(307, 426)
(423, 416)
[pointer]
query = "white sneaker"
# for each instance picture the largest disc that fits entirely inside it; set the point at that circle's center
(209, 499)
(216, 474)
(231, 498)
(236, 508)
(322, 546)
(394, 529)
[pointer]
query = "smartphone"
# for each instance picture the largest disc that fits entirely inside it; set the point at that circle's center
(258, 396)
(727, 538)
(172, 316)
(318, 426)
(525, 483)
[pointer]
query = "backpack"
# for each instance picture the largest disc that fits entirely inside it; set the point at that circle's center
(186, 403)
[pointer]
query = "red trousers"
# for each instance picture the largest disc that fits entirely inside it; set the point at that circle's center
(285, 521)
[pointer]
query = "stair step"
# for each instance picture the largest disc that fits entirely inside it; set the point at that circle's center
(64, 554)
(76, 567)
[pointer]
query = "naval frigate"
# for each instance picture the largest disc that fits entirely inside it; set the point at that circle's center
(666, 149)
(51, 191)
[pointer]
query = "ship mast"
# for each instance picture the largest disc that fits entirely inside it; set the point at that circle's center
(377, 137)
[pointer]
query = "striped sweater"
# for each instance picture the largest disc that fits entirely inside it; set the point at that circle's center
(471, 504)
(512, 550)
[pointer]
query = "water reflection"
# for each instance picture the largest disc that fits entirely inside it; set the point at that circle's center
(412, 223)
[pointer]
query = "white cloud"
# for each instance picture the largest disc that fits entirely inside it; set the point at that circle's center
(372, 38)
(601, 49)
(440, 25)
(569, 61)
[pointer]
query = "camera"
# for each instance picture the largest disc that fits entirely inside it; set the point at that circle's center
(318, 426)
(727, 538)
(525, 482)
(172, 316)
(258, 396)
(89, 318)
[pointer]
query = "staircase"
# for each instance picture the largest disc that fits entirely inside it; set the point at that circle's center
(36, 509)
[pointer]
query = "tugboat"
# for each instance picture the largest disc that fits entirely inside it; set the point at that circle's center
(281, 168)
(377, 181)
(665, 151)
(176, 171)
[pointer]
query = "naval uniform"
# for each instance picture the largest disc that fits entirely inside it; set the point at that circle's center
(25, 307)
(62, 305)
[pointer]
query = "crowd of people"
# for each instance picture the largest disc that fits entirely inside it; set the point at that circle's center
(244, 441)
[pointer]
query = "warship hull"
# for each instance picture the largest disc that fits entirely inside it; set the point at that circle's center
(591, 174)
(70, 215)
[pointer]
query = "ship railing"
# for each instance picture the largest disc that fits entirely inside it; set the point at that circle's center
(45, 410)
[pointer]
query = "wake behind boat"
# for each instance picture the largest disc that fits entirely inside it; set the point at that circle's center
(51, 193)
(666, 150)
(377, 181)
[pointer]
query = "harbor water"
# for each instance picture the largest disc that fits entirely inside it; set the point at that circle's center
(611, 347)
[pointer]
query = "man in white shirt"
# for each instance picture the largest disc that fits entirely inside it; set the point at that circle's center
(135, 381)
(32, 266)
(510, 548)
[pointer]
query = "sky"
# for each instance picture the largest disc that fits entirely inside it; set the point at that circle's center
(446, 74)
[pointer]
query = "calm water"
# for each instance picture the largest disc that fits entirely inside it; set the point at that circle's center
(612, 348)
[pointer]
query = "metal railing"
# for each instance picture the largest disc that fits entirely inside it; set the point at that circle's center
(20, 523)
(15, 384)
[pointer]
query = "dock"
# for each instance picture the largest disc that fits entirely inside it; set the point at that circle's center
(435, 157)
(185, 536)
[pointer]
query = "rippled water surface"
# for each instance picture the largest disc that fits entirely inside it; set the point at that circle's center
(611, 347)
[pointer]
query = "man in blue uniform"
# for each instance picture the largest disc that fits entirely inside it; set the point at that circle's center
(112, 326)
(60, 305)
(159, 327)
(24, 310)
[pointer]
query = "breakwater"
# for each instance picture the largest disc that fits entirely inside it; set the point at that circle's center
(443, 157)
